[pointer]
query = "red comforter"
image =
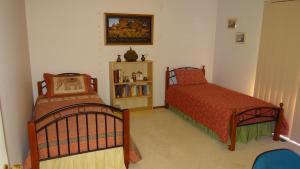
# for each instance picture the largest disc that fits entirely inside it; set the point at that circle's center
(212, 105)
(46, 105)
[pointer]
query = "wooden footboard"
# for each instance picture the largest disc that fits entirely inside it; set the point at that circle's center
(255, 116)
(86, 111)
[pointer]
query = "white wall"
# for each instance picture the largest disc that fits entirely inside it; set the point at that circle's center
(15, 78)
(68, 36)
(235, 64)
(3, 151)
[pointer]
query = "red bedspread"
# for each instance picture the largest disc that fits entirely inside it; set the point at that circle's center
(46, 105)
(212, 105)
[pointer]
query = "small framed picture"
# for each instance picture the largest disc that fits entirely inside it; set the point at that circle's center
(240, 37)
(231, 23)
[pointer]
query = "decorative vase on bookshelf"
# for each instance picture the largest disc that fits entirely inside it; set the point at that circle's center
(143, 58)
(130, 56)
(119, 58)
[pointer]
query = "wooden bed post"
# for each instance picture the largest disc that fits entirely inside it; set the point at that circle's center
(276, 135)
(33, 145)
(167, 85)
(233, 126)
(203, 69)
(40, 88)
(126, 145)
(95, 84)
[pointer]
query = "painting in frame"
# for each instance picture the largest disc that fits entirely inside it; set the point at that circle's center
(128, 29)
(240, 37)
(231, 23)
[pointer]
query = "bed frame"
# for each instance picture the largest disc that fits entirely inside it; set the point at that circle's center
(42, 84)
(35, 126)
(238, 119)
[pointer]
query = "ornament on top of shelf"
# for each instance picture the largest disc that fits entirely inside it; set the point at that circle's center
(119, 58)
(130, 56)
(143, 58)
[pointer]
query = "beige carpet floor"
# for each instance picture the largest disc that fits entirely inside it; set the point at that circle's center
(168, 142)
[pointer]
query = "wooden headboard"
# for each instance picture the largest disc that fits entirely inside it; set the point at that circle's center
(42, 84)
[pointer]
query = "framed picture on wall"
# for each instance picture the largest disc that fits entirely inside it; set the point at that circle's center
(231, 23)
(128, 29)
(240, 37)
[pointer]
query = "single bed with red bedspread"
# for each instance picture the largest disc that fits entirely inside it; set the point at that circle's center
(217, 108)
(79, 123)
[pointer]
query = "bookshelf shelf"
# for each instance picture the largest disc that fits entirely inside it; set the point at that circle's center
(130, 97)
(131, 85)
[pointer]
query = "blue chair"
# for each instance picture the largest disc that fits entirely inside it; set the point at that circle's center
(277, 159)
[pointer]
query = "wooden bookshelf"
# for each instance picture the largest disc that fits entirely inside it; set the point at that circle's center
(131, 94)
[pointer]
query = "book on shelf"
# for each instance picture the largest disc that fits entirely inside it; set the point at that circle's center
(145, 90)
(117, 91)
(131, 90)
(127, 90)
(139, 89)
(121, 75)
(123, 92)
(118, 76)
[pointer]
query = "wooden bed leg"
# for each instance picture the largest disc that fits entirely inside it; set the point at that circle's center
(233, 126)
(166, 105)
(276, 135)
(126, 137)
(33, 145)
(167, 86)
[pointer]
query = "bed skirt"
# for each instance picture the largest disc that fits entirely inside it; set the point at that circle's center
(109, 159)
(243, 134)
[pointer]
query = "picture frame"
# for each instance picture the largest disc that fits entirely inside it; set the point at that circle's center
(240, 37)
(231, 23)
(128, 29)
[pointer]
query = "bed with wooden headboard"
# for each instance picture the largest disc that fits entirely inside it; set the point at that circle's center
(76, 124)
(218, 109)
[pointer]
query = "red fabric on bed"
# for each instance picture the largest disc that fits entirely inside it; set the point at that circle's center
(45, 105)
(190, 76)
(212, 105)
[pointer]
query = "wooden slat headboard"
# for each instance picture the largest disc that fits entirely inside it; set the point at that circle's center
(42, 84)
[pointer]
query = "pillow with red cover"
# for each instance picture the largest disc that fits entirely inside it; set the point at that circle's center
(190, 76)
(66, 85)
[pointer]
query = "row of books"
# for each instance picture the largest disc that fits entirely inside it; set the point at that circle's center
(131, 90)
